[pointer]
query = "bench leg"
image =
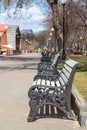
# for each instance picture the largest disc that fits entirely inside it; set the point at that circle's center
(33, 111)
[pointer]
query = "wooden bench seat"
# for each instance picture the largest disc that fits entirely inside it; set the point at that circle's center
(57, 92)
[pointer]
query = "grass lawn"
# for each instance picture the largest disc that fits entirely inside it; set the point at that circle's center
(80, 82)
(80, 79)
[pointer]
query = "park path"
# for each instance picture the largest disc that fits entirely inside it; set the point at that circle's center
(16, 77)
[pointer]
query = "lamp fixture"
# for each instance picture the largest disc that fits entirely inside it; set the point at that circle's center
(63, 1)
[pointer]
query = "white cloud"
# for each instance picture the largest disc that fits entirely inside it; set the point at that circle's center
(34, 10)
(24, 18)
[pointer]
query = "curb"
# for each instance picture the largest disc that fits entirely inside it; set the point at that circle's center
(79, 106)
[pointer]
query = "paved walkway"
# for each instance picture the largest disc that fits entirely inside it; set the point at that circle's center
(16, 77)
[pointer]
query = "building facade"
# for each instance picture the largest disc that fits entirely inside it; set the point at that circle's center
(9, 38)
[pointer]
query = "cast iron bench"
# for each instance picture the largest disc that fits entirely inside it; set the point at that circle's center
(49, 68)
(53, 95)
(46, 57)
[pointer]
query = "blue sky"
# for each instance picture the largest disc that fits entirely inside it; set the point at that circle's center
(26, 19)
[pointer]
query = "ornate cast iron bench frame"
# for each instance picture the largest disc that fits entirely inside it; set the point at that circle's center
(55, 93)
(49, 68)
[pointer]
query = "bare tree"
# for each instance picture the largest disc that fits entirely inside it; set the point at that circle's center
(76, 16)
(76, 21)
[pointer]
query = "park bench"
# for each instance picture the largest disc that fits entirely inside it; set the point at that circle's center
(53, 96)
(46, 57)
(49, 68)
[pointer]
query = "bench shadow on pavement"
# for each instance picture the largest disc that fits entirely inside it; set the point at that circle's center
(16, 58)
(27, 66)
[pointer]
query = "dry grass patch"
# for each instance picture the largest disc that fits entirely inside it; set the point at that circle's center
(80, 81)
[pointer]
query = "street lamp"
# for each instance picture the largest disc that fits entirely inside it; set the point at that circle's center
(53, 39)
(48, 41)
(80, 38)
(52, 29)
(51, 34)
(81, 46)
(28, 42)
(64, 31)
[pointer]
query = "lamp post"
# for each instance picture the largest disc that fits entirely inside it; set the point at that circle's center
(51, 41)
(64, 31)
(28, 43)
(52, 29)
(54, 39)
(81, 46)
(52, 34)
(48, 45)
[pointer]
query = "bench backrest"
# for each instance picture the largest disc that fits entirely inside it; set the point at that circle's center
(65, 77)
(55, 61)
(67, 74)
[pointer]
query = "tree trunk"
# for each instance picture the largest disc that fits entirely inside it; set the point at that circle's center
(56, 24)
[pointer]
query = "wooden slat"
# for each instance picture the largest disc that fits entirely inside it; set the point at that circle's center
(57, 84)
(71, 63)
(55, 59)
(69, 69)
(38, 81)
(52, 83)
(66, 73)
(43, 82)
(48, 82)
(61, 80)
(65, 79)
